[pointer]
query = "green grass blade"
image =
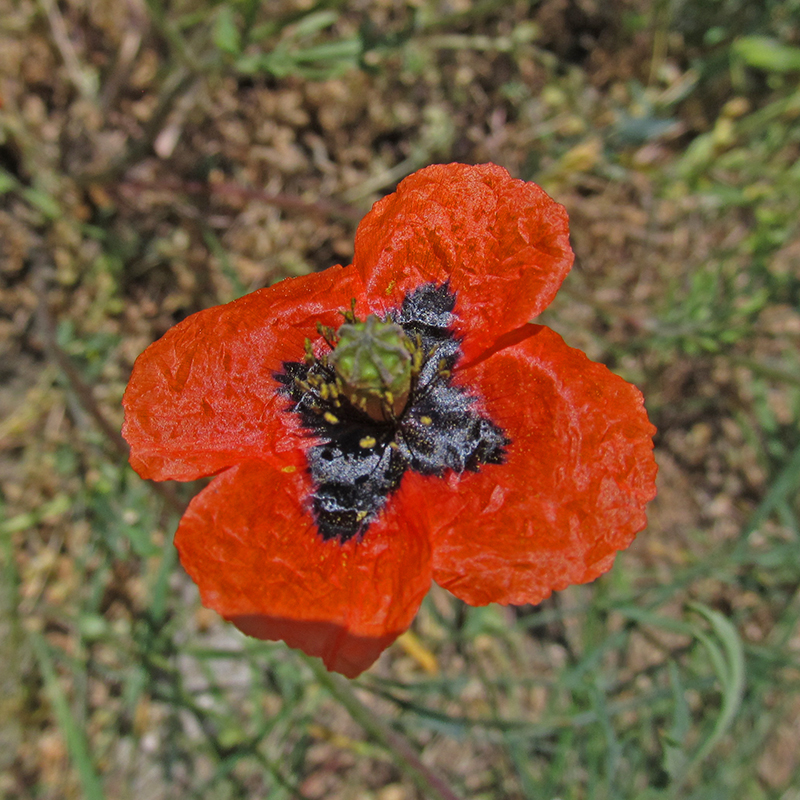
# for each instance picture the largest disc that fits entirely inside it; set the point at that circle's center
(728, 661)
(675, 758)
(74, 737)
(786, 482)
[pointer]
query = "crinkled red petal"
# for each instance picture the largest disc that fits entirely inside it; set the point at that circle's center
(579, 473)
(252, 548)
(204, 396)
(502, 243)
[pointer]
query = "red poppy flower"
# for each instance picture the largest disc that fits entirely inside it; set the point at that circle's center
(505, 466)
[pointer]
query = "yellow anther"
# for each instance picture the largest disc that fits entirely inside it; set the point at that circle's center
(426, 420)
(324, 392)
(360, 516)
(330, 418)
(367, 442)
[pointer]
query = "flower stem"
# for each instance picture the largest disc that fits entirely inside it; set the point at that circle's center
(429, 783)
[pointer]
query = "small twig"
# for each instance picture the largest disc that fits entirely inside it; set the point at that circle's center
(429, 783)
(83, 81)
(282, 200)
(174, 86)
(123, 64)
